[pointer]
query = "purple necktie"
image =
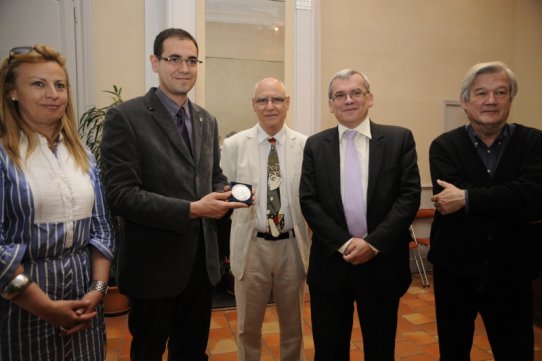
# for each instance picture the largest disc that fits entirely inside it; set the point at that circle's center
(353, 201)
(181, 128)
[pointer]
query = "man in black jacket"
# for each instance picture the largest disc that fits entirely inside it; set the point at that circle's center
(486, 236)
(358, 257)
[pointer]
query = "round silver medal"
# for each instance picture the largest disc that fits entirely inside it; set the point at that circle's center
(241, 192)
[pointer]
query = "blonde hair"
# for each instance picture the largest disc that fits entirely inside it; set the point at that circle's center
(11, 122)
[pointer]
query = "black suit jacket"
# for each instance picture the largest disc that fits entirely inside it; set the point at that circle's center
(150, 180)
(393, 197)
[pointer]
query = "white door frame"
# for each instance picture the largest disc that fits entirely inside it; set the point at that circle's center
(306, 91)
(84, 56)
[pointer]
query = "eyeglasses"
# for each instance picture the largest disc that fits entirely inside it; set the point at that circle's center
(177, 60)
(354, 94)
(19, 50)
(264, 100)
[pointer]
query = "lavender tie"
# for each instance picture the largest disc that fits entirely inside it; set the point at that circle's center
(353, 202)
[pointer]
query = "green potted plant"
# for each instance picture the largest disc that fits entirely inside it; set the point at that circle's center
(90, 130)
(91, 123)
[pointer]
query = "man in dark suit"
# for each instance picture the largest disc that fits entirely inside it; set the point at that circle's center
(162, 175)
(359, 251)
(486, 237)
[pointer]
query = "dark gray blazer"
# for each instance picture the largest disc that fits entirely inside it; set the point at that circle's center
(393, 197)
(150, 179)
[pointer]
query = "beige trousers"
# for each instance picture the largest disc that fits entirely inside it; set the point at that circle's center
(272, 267)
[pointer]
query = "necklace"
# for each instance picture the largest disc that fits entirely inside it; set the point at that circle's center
(51, 145)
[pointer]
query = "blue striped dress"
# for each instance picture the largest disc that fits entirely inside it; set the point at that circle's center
(51, 213)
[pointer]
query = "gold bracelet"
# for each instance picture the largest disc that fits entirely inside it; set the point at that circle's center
(17, 285)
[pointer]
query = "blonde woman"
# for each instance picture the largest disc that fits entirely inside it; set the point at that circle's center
(56, 241)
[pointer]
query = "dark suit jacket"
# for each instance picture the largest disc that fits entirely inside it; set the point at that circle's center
(494, 242)
(393, 197)
(150, 180)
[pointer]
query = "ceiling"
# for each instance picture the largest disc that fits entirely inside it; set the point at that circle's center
(257, 12)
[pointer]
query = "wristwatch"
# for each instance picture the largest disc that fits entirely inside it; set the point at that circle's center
(17, 285)
(99, 286)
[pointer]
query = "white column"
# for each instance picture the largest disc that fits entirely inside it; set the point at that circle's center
(163, 14)
(306, 99)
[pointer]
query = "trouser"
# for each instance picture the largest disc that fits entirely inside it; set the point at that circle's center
(506, 309)
(184, 320)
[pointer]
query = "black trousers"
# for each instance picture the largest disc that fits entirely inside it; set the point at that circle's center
(332, 316)
(182, 322)
(506, 309)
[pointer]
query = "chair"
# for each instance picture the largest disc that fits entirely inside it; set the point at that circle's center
(415, 243)
(425, 213)
(416, 256)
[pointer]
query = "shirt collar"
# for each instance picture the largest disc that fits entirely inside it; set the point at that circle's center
(363, 128)
(171, 106)
(280, 136)
(506, 131)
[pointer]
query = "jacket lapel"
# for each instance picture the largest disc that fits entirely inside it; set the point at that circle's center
(290, 159)
(332, 160)
(160, 115)
(197, 131)
(253, 155)
(376, 152)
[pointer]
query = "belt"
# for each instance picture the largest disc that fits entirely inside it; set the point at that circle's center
(270, 237)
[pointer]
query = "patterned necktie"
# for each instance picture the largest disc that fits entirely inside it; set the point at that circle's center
(181, 128)
(275, 220)
(353, 201)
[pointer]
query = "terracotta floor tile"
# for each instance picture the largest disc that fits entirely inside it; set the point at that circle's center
(270, 327)
(429, 328)
(219, 322)
(404, 325)
(420, 337)
(356, 333)
(228, 356)
(416, 333)
(414, 290)
(309, 354)
(356, 344)
(272, 339)
(481, 341)
(220, 333)
(477, 354)
(417, 318)
(413, 303)
(356, 355)
(405, 349)
(421, 357)
(231, 315)
(431, 349)
(308, 342)
(223, 345)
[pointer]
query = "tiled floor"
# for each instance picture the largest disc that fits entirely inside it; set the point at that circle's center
(416, 334)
